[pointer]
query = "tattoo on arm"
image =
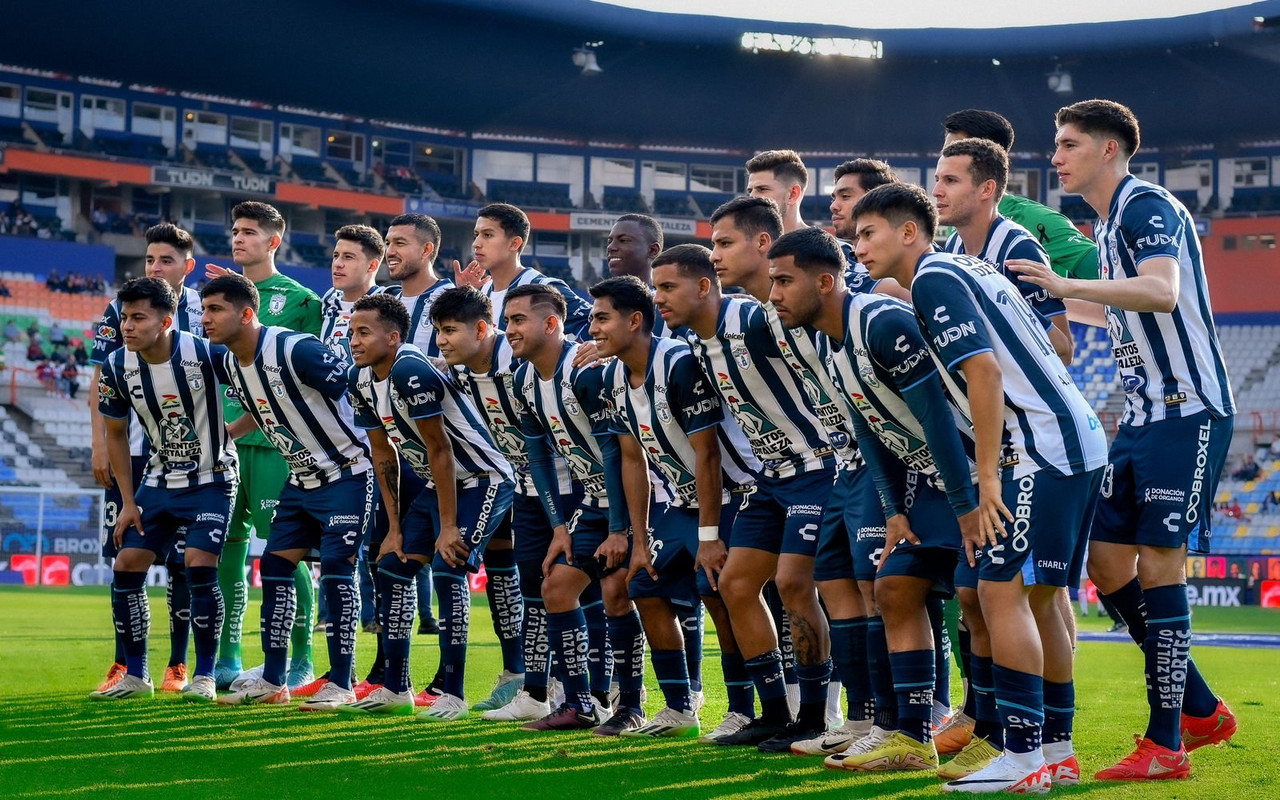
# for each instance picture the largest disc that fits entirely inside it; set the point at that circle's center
(390, 470)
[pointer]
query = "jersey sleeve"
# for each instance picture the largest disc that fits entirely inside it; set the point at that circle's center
(218, 358)
(1038, 297)
(310, 311)
(317, 367)
(1071, 253)
(106, 335)
(578, 316)
(617, 421)
(694, 402)
(758, 333)
(589, 388)
(1152, 227)
(420, 386)
(951, 317)
(366, 418)
(894, 341)
(112, 398)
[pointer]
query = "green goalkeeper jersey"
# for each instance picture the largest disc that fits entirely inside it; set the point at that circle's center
(1071, 253)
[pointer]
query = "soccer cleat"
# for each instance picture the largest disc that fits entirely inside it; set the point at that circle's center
(668, 723)
(114, 675)
(127, 687)
(564, 718)
(753, 733)
(380, 700)
(732, 723)
(896, 753)
(522, 708)
(834, 740)
(1149, 762)
(1215, 729)
(427, 697)
(256, 691)
(795, 732)
(300, 674)
(874, 738)
(175, 678)
(225, 672)
(446, 708)
(202, 689)
(1065, 772)
(328, 698)
(428, 627)
(364, 688)
(504, 691)
(976, 755)
(1004, 775)
(311, 689)
(372, 627)
(954, 735)
(697, 700)
(624, 719)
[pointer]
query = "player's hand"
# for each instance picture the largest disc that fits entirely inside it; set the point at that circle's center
(588, 355)
(474, 275)
(392, 544)
(561, 544)
(641, 561)
(450, 546)
(710, 559)
(1039, 274)
(130, 516)
(897, 529)
(212, 271)
(992, 512)
(102, 467)
(612, 552)
(970, 524)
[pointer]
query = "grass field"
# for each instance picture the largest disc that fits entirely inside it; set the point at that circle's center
(54, 647)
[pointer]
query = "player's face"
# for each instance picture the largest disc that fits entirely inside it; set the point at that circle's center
(221, 319)
(846, 194)
(250, 244)
(676, 295)
(491, 245)
(736, 255)
(526, 328)
(164, 261)
(459, 342)
(628, 249)
(794, 292)
(372, 341)
(351, 269)
(1078, 158)
(879, 245)
(141, 324)
(766, 184)
(406, 255)
(610, 328)
(955, 194)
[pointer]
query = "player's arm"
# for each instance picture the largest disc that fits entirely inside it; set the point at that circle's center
(986, 408)
(449, 543)
(1086, 312)
(635, 485)
(709, 483)
(1060, 337)
(542, 470)
(386, 465)
(117, 445)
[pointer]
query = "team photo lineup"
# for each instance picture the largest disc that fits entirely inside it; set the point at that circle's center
(816, 436)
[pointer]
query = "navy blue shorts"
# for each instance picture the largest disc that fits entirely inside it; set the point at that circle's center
(784, 515)
(333, 519)
(588, 528)
(196, 515)
(868, 538)
(410, 486)
(840, 521)
(481, 510)
(935, 525)
(421, 522)
(1051, 513)
(674, 550)
(1160, 483)
(531, 530)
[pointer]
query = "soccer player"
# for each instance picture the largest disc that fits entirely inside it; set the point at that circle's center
(1039, 449)
(563, 410)
(169, 379)
(670, 420)
(777, 532)
(411, 411)
(257, 230)
(169, 257)
(294, 389)
(1173, 439)
(781, 176)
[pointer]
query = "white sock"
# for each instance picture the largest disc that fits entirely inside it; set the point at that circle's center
(1026, 761)
(1056, 752)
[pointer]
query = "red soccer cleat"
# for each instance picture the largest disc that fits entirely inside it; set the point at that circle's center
(363, 688)
(1149, 762)
(1215, 729)
(310, 689)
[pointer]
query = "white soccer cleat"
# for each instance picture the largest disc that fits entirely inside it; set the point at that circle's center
(697, 700)
(667, 723)
(834, 740)
(522, 708)
(202, 689)
(256, 691)
(732, 723)
(330, 696)
(381, 701)
(448, 708)
(128, 687)
(251, 674)
(874, 738)
(1004, 775)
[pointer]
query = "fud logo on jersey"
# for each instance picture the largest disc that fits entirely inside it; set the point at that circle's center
(276, 304)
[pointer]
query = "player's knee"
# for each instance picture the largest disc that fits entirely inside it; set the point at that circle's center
(133, 559)
(337, 567)
(404, 570)
(971, 612)
(795, 588)
(272, 565)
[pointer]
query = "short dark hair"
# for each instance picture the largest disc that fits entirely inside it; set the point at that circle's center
(628, 295)
(988, 161)
(370, 241)
(751, 215)
(812, 249)
(514, 222)
(784, 164)
(238, 290)
(465, 304)
(426, 228)
(156, 291)
(975, 123)
(1105, 117)
(692, 260)
(897, 203)
(647, 224)
(541, 296)
(266, 215)
(871, 172)
(389, 309)
(172, 235)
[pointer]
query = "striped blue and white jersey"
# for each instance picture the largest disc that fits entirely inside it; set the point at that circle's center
(296, 390)
(414, 389)
(764, 395)
(1171, 364)
(856, 276)
(964, 306)
(422, 333)
(335, 321)
(881, 356)
(577, 320)
(179, 405)
(493, 394)
(1005, 240)
(676, 400)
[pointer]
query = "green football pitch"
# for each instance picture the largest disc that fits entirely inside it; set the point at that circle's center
(54, 742)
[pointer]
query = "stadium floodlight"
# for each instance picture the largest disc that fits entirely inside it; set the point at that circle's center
(585, 58)
(810, 46)
(1060, 81)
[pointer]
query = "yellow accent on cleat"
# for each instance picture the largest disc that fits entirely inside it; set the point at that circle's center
(897, 752)
(978, 753)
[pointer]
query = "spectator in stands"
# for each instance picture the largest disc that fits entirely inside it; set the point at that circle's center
(53, 282)
(33, 331)
(57, 335)
(34, 351)
(1248, 471)
(70, 377)
(11, 332)
(79, 351)
(4, 290)
(44, 374)
(24, 224)
(1234, 511)
(1272, 500)
(99, 219)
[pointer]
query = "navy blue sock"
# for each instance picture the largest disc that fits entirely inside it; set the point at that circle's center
(423, 581)
(207, 614)
(1167, 646)
(814, 679)
(982, 684)
(599, 654)
(279, 609)
(942, 650)
(1059, 710)
(963, 639)
(567, 634)
(1020, 703)
(338, 581)
(506, 606)
(738, 685)
(626, 638)
(117, 629)
(397, 598)
(886, 714)
(693, 625)
(132, 612)
(766, 673)
(534, 631)
(455, 621)
(849, 658)
(913, 682)
(178, 597)
(671, 670)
